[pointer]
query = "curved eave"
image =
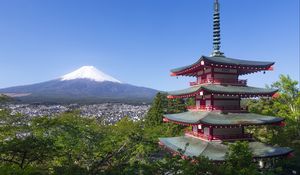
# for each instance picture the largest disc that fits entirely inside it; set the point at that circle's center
(245, 66)
(237, 63)
(184, 92)
(220, 89)
(238, 90)
(216, 151)
(279, 122)
(261, 150)
(189, 70)
(217, 119)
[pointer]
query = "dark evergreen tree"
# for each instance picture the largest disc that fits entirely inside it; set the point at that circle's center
(190, 102)
(175, 106)
(158, 108)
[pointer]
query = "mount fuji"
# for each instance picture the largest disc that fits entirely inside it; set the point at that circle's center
(84, 85)
(89, 72)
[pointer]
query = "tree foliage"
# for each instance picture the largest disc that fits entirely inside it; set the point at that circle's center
(157, 109)
(4, 98)
(239, 159)
(162, 105)
(285, 104)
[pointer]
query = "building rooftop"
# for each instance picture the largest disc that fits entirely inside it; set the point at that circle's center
(245, 66)
(223, 89)
(216, 151)
(218, 118)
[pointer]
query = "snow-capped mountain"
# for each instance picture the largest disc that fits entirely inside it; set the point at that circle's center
(84, 85)
(89, 72)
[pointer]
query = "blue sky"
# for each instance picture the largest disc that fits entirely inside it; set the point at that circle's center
(139, 41)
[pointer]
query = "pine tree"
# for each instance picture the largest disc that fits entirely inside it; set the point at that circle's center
(176, 106)
(157, 109)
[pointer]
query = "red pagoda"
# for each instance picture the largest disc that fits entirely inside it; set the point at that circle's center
(217, 115)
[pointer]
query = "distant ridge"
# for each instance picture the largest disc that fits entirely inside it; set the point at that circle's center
(84, 85)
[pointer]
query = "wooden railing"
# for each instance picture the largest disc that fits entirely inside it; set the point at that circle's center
(202, 107)
(229, 108)
(230, 137)
(210, 108)
(200, 135)
(220, 81)
(220, 137)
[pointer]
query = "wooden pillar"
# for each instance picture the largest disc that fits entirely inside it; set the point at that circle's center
(212, 101)
(210, 132)
(213, 74)
(243, 130)
(196, 102)
(239, 107)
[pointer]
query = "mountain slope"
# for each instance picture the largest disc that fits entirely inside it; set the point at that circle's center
(89, 72)
(85, 85)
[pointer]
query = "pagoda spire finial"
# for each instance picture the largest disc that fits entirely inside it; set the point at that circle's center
(216, 35)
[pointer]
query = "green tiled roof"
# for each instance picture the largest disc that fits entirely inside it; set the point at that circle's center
(226, 89)
(217, 118)
(186, 91)
(226, 60)
(216, 151)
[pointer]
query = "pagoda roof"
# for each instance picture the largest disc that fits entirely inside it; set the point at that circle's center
(218, 118)
(222, 60)
(222, 89)
(216, 151)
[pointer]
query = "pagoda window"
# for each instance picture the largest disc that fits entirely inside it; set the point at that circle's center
(227, 131)
(225, 70)
(227, 104)
(195, 128)
(208, 70)
(200, 72)
(225, 78)
(198, 104)
(208, 76)
(207, 103)
(207, 96)
(206, 131)
(199, 80)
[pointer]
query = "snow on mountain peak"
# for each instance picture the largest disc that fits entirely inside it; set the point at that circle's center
(89, 72)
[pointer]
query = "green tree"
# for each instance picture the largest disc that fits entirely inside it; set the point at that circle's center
(176, 105)
(157, 109)
(162, 105)
(239, 159)
(20, 148)
(190, 102)
(288, 100)
(4, 98)
(286, 104)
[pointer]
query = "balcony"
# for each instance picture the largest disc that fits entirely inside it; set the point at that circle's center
(233, 137)
(200, 108)
(220, 81)
(245, 136)
(210, 108)
(199, 135)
